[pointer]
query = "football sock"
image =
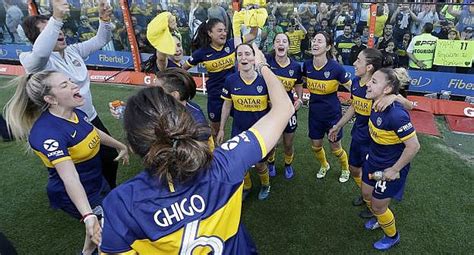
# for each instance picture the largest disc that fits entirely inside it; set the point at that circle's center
(387, 222)
(289, 159)
(358, 181)
(320, 155)
(342, 155)
(264, 177)
(271, 157)
(247, 181)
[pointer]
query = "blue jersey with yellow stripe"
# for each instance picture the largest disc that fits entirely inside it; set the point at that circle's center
(55, 140)
(388, 130)
(323, 83)
(201, 216)
(289, 75)
(249, 101)
(219, 64)
(196, 111)
(171, 64)
(362, 107)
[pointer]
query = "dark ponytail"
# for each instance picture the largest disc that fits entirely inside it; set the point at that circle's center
(375, 58)
(161, 131)
(177, 79)
(202, 38)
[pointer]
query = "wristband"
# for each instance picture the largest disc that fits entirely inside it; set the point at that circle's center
(85, 216)
(104, 20)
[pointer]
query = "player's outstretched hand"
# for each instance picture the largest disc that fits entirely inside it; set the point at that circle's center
(333, 133)
(220, 137)
(123, 154)
(93, 229)
(60, 9)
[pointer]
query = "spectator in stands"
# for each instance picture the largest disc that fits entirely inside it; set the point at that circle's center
(401, 50)
(381, 19)
(443, 32)
(344, 44)
(306, 43)
(427, 15)
(336, 56)
(324, 13)
(296, 36)
(422, 54)
(269, 31)
(389, 52)
(71, 37)
(13, 19)
(365, 35)
(324, 27)
(50, 50)
(197, 15)
(341, 19)
(363, 10)
(445, 14)
(357, 48)
(466, 34)
(402, 20)
(85, 29)
(465, 17)
(217, 12)
(312, 23)
(387, 36)
(453, 34)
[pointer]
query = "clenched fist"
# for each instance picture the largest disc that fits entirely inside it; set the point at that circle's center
(105, 10)
(60, 9)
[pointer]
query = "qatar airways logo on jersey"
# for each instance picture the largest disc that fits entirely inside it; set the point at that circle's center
(179, 210)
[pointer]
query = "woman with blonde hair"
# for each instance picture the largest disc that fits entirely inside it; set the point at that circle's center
(44, 111)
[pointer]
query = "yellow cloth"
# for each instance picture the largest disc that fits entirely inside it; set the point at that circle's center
(342, 156)
(159, 35)
(271, 157)
(369, 205)
(289, 159)
(387, 222)
(358, 181)
(320, 155)
(250, 18)
(264, 177)
(247, 181)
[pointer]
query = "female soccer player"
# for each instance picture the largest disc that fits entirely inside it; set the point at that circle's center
(323, 77)
(50, 52)
(368, 61)
(43, 109)
(245, 94)
(187, 200)
(160, 62)
(394, 145)
(289, 73)
(216, 53)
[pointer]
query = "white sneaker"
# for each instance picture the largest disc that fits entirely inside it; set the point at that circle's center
(322, 172)
(345, 176)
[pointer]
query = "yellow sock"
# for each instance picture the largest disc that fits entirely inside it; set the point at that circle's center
(247, 181)
(271, 157)
(264, 177)
(358, 181)
(342, 155)
(369, 205)
(289, 159)
(387, 222)
(320, 155)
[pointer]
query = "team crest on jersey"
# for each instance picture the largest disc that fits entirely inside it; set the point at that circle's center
(291, 72)
(211, 115)
(379, 121)
(259, 89)
(76, 63)
(326, 74)
(227, 49)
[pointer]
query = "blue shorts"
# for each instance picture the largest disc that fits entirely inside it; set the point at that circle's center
(72, 210)
(319, 128)
(214, 108)
(292, 124)
(385, 189)
(358, 153)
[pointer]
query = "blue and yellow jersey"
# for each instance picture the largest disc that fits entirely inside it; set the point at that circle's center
(55, 140)
(362, 107)
(172, 64)
(289, 75)
(249, 101)
(198, 116)
(344, 46)
(219, 64)
(323, 83)
(202, 216)
(388, 130)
